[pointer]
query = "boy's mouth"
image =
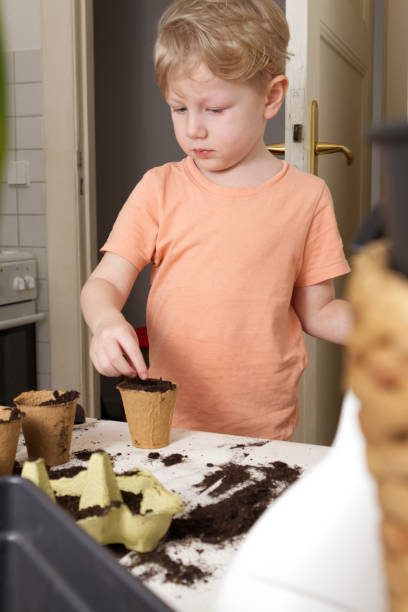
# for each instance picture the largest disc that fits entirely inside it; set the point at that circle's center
(202, 152)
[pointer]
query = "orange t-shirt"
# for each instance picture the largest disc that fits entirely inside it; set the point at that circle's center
(219, 315)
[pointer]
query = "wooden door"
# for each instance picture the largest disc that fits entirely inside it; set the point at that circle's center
(332, 45)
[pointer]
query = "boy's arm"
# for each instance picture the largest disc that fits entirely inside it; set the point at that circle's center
(321, 314)
(114, 347)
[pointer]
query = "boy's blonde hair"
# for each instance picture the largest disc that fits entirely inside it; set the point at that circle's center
(237, 39)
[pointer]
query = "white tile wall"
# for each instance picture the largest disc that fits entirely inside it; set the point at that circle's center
(31, 230)
(29, 133)
(28, 66)
(10, 155)
(11, 102)
(10, 72)
(8, 199)
(36, 160)
(9, 231)
(22, 208)
(28, 99)
(11, 133)
(31, 199)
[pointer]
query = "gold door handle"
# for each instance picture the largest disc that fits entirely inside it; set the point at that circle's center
(320, 149)
(323, 148)
(278, 149)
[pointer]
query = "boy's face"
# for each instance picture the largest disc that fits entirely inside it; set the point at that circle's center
(219, 123)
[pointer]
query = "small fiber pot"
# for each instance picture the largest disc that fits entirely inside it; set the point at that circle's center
(149, 406)
(48, 423)
(10, 427)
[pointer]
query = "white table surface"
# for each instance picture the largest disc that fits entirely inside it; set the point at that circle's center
(200, 448)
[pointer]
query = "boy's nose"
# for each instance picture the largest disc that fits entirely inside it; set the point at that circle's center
(195, 127)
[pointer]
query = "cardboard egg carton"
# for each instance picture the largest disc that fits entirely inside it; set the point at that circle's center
(107, 518)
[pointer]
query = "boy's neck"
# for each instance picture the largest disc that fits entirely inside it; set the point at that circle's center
(248, 174)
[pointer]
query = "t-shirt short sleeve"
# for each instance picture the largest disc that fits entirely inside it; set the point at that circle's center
(134, 233)
(323, 255)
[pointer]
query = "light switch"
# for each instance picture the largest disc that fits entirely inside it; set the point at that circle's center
(18, 173)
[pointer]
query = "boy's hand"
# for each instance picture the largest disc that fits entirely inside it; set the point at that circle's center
(115, 348)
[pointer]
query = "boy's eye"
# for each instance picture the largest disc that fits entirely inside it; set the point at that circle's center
(180, 109)
(215, 110)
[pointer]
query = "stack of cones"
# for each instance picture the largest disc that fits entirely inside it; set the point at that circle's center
(377, 371)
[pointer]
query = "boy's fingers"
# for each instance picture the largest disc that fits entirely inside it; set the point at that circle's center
(113, 360)
(124, 367)
(139, 366)
(134, 356)
(119, 355)
(104, 367)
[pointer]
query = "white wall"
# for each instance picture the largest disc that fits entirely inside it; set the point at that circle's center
(22, 24)
(22, 207)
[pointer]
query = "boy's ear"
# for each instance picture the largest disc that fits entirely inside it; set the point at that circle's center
(275, 94)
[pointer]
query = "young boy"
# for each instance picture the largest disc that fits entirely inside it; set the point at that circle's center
(244, 247)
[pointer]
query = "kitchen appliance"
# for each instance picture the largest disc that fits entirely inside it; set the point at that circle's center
(18, 295)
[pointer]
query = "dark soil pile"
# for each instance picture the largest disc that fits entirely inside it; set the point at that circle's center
(228, 476)
(133, 501)
(14, 414)
(220, 521)
(174, 570)
(61, 398)
(65, 472)
(132, 472)
(152, 385)
(169, 460)
(235, 514)
(17, 469)
(260, 443)
(70, 503)
(85, 455)
(172, 459)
